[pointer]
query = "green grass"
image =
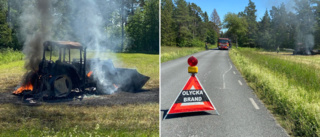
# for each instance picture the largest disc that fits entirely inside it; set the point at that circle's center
(8, 55)
(63, 120)
(171, 53)
(287, 84)
(147, 64)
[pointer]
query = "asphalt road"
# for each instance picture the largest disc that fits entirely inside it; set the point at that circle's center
(241, 112)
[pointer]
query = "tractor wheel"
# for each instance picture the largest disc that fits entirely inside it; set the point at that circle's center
(62, 85)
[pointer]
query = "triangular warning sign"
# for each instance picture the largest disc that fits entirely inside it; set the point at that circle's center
(192, 98)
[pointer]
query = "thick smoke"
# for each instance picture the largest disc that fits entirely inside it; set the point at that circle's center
(36, 25)
(88, 28)
(292, 26)
(83, 21)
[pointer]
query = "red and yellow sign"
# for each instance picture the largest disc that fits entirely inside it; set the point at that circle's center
(192, 98)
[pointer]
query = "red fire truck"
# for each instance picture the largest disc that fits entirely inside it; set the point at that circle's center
(224, 43)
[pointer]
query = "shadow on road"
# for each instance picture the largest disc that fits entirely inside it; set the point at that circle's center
(214, 49)
(189, 114)
(219, 49)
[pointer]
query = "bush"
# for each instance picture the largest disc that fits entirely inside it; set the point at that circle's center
(8, 55)
(195, 43)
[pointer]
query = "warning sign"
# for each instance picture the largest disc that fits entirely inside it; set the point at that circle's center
(192, 98)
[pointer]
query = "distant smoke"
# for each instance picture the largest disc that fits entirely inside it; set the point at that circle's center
(74, 20)
(293, 28)
(288, 3)
(305, 26)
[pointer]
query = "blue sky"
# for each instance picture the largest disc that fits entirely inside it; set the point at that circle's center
(235, 6)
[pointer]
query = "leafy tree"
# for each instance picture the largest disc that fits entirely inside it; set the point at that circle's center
(135, 30)
(317, 25)
(265, 22)
(291, 30)
(195, 13)
(5, 31)
(250, 14)
(182, 19)
(236, 25)
(212, 35)
(143, 28)
(279, 26)
(168, 36)
(152, 26)
(205, 17)
(189, 25)
(306, 22)
(264, 35)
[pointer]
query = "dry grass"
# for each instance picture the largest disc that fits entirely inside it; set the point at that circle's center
(312, 60)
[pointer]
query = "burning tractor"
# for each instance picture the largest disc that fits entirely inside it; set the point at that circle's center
(302, 49)
(61, 77)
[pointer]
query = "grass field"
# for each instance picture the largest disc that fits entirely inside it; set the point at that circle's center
(289, 85)
(64, 120)
(171, 53)
(9, 55)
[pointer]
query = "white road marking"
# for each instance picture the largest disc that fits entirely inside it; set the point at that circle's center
(240, 82)
(254, 103)
(234, 72)
(224, 83)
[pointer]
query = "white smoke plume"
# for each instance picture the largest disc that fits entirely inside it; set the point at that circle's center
(35, 27)
(88, 28)
(305, 25)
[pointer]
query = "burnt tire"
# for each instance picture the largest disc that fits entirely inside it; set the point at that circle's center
(61, 85)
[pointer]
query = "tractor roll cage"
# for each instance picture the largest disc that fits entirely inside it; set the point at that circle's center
(63, 45)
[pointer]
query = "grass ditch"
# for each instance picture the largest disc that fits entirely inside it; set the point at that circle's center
(290, 88)
(64, 120)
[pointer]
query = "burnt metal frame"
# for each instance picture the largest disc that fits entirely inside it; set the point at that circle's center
(82, 69)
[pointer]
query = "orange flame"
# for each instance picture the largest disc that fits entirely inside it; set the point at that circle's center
(89, 74)
(115, 86)
(29, 86)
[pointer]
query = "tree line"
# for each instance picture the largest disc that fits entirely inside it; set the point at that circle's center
(186, 25)
(278, 28)
(131, 25)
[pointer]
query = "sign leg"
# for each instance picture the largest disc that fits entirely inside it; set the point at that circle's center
(165, 116)
(217, 112)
